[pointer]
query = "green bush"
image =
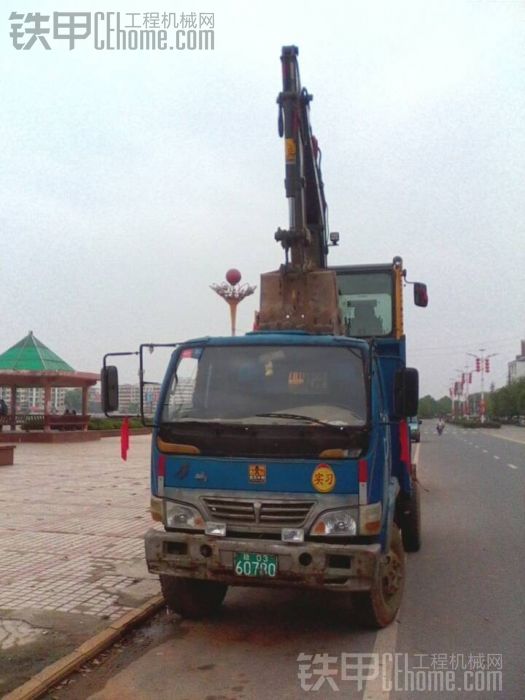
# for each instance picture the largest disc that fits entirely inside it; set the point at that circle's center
(477, 424)
(112, 423)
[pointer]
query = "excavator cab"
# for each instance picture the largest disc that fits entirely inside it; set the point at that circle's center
(370, 299)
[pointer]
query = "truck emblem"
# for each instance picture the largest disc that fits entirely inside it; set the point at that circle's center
(183, 471)
(323, 478)
(257, 473)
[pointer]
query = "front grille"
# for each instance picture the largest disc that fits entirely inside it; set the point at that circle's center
(267, 512)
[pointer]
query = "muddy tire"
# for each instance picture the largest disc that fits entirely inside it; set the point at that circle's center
(192, 598)
(378, 607)
(411, 521)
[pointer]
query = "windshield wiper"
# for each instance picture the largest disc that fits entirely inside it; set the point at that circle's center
(298, 416)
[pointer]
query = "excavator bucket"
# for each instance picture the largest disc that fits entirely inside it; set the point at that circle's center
(303, 301)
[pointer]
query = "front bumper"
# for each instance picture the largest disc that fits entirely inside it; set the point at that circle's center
(348, 567)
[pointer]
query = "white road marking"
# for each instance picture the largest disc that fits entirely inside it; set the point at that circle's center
(485, 451)
(512, 466)
(496, 457)
(385, 644)
(503, 437)
(416, 453)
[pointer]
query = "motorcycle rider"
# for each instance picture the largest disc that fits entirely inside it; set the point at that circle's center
(440, 427)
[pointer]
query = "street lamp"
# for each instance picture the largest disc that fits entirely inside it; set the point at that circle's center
(482, 365)
(233, 293)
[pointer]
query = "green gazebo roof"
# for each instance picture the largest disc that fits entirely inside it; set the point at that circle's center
(30, 354)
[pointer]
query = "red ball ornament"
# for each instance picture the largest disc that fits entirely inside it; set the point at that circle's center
(233, 276)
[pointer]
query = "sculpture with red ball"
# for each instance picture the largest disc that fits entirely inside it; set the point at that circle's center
(233, 293)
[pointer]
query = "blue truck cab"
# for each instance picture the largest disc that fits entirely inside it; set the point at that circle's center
(277, 459)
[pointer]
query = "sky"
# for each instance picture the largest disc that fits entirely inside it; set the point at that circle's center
(132, 180)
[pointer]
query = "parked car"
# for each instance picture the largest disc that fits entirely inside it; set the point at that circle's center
(413, 425)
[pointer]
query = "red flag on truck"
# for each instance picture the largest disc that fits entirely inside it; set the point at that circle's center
(124, 439)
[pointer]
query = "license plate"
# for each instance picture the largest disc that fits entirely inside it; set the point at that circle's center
(251, 564)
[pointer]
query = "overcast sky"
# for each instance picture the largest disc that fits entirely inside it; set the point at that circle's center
(130, 181)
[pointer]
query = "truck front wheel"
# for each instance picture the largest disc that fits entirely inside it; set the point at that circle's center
(192, 598)
(378, 607)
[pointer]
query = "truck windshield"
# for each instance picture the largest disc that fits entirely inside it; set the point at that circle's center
(256, 384)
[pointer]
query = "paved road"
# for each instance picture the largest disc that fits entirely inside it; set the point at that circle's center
(466, 593)
(463, 608)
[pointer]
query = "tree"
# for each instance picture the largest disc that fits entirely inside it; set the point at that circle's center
(509, 400)
(427, 407)
(73, 399)
(444, 405)
(430, 408)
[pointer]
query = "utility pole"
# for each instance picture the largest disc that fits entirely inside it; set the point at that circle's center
(452, 392)
(465, 376)
(461, 394)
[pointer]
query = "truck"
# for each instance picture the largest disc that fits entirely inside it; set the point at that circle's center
(281, 458)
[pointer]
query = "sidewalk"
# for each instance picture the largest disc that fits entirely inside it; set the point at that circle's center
(72, 520)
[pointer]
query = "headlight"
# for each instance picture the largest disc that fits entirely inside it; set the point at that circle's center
(183, 516)
(336, 522)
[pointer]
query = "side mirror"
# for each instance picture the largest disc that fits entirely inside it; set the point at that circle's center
(109, 390)
(406, 392)
(420, 294)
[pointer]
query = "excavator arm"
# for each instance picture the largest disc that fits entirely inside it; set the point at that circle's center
(306, 237)
(302, 294)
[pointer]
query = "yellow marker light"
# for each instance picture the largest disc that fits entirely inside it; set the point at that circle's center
(177, 448)
(319, 528)
(155, 508)
(373, 528)
(370, 519)
(333, 453)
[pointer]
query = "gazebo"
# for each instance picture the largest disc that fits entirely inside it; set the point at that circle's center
(31, 364)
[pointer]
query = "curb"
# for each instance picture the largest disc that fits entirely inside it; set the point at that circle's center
(56, 672)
